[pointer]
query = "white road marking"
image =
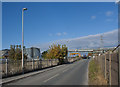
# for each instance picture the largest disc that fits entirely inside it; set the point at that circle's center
(51, 78)
(65, 70)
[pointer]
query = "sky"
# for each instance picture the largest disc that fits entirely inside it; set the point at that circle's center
(109, 39)
(60, 0)
(46, 22)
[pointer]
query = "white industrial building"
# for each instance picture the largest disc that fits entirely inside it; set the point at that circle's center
(33, 53)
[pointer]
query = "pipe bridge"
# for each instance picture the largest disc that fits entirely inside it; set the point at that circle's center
(81, 50)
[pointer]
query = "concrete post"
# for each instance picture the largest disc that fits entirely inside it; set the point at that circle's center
(6, 67)
(110, 68)
(105, 66)
(38, 62)
(32, 64)
(119, 67)
(51, 61)
(47, 63)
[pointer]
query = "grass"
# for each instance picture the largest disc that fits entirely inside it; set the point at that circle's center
(93, 70)
(95, 74)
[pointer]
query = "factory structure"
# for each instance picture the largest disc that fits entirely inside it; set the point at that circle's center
(33, 53)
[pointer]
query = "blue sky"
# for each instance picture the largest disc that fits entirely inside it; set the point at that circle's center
(46, 22)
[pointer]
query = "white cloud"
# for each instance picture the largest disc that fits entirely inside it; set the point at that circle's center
(109, 13)
(90, 41)
(93, 17)
(117, 1)
(58, 34)
(64, 33)
(50, 34)
(109, 20)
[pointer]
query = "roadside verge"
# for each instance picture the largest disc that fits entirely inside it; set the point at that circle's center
(95, 75)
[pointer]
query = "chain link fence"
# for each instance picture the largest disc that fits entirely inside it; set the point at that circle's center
(109, 63)
(14, 67)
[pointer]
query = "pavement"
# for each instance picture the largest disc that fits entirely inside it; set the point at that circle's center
(68, 74)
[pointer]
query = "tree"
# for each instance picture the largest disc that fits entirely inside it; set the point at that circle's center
(64, 51)
(12, 52)
(57, 52)
(16, 53)
(25, 55)
(44, 54)
(63, 54)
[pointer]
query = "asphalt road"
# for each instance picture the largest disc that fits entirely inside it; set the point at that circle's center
(68, 74)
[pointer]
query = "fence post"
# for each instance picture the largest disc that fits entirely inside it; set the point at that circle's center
(47, 63)
(6, 66)
(96, 58)
(119, 67)
(32, 64)
(105, 66)
(38, 62)
(110, 68)
(51, 61)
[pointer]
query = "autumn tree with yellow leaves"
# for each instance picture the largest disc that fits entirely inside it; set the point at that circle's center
(57, 52)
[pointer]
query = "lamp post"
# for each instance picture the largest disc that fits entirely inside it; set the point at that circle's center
(23, 9)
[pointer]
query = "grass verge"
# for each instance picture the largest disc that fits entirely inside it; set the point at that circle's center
(95, 74)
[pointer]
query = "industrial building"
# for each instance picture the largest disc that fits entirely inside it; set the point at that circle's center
(32, 53)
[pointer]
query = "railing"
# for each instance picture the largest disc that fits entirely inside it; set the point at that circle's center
(109, 63)
(14, 67)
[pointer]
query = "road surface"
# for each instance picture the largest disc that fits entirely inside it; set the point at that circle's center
(68, 74)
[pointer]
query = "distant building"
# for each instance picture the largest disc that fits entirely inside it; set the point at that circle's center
(4, 53)
(32, 53)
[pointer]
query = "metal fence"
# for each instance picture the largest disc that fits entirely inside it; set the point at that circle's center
(109, 63)
(14, 67)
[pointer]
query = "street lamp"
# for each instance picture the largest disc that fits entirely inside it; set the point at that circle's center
(23, 9)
